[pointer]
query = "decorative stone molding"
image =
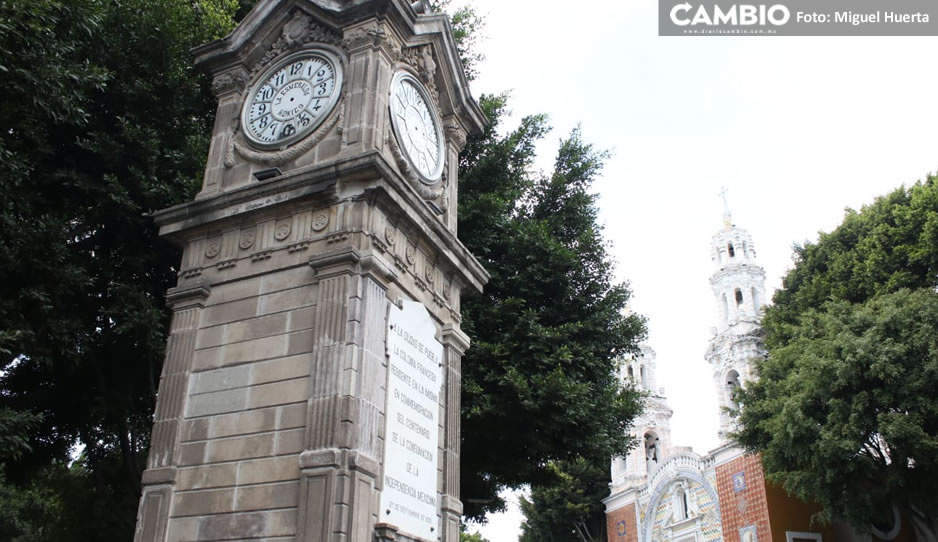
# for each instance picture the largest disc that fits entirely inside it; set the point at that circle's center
(193, 295)
(320, 221)
(247, 238)
(262, 255)
(301, 30)
(228, 82)
(373, 34)
(385, 532)
(212, 248)
(455, 134)
(448, 291)
(296, 247)
(420, 58)
(190, 273)
(283, 230)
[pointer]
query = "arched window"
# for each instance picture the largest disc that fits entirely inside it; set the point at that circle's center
(745, 251)
(755, 300)
(731, 250)
(680, 508)
(739, 297)
(732, 382)
(641, 372)
(631, 373)
(680, 503)
(652, 453)
(726, 310)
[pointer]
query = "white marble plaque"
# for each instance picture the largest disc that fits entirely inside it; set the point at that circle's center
(409, 499)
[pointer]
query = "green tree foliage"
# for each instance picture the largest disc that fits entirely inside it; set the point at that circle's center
(471, 537)
(843, 411)
(568, 507)
(467, 27)
(539, 382)
(104, 121)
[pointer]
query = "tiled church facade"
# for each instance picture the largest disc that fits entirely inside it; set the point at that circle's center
(666, 493)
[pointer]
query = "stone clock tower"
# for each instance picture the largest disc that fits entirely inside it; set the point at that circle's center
(311, 385)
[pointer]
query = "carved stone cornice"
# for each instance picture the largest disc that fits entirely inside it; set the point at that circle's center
(454, 337)
(183, 297)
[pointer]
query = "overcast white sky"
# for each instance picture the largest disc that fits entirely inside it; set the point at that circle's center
(796, 128)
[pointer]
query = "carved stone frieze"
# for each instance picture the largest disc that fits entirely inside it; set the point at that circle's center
(301, 30)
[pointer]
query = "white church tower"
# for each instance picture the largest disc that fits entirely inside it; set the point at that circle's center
(652, 429)
(738, 284)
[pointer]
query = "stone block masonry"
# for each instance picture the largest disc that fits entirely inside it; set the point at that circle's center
(270, 419)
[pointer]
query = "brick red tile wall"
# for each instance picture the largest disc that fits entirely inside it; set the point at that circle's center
(620, 525)
(741, 489)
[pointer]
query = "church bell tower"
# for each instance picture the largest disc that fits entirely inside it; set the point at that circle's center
(311, 384)
(738, 285)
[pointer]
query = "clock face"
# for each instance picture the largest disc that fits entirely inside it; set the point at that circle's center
(291, 99)
(417, 127)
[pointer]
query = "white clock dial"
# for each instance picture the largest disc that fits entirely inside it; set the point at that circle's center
(417, 127)
(291, 99)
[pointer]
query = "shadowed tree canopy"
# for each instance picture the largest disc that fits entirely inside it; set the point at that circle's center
(539, 382)
(104, 120)
(843, 411)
